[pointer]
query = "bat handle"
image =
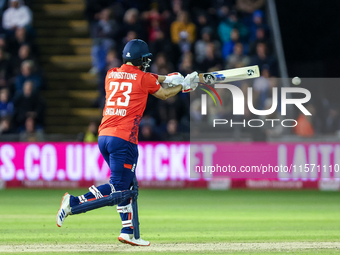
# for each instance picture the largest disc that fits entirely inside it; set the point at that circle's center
(200, 78)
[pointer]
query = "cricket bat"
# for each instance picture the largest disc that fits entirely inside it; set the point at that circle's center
(225, 76)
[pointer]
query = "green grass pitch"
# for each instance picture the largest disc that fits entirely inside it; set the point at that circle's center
(177, 222)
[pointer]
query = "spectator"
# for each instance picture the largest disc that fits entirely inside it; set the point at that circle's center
(106, 27)
(184, 43)
(148, 129)
(21, 36)
(27, 73)
(6, 106)
(176, 6)
(103, 33)
(155, 23)
(18, 15)
(211, 60)
(186, 65)
(154, 29)
(226, 26)
(257, 23)
(237, 58)
(161, 44)
(249, 6)
(222, 10)
(28, 104)
(131, 23)
(112, 60)
(5, 125)
(260, 38)
(160, 63)
(226, 110)
(200, 45)
(182, 26)
(91, 134)
(202, 23)
(331, 125)
(261, 57)
(170, 109)
(229, 46)
(173, 131)
(31, 133)
(3, 6)
(261, 88)
(147, 133)
(24, 53)
(94, 7)
(4, 69)
(195, 110)
(305, 127)
(3, 42)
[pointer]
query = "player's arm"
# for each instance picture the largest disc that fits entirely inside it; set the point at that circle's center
(173, 79)
(165, 93)
(161, 78)
(186, 85)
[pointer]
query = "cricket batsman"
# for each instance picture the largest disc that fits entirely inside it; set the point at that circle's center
(127, 89)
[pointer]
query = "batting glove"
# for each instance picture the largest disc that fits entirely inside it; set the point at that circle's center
(189, 84)
(173, 79)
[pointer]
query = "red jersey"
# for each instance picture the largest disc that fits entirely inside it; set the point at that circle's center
(127, 90)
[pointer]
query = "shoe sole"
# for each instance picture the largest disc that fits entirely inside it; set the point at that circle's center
(61, 204)
(122, 240)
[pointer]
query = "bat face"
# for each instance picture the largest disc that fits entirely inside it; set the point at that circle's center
(223, 76)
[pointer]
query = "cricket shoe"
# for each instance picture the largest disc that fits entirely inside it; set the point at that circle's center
(129, 239)
(64, 210)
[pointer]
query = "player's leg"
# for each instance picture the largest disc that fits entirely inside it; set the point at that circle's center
(129, 213)
(103, 195)
(99, 200)
(100, 191)
(123, 160)
(123, 163)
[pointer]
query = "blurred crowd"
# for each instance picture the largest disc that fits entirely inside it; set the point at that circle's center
(183, 36)
(21, 106)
